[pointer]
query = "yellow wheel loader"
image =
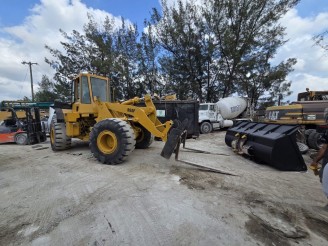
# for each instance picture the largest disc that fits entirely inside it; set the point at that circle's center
(114, 129)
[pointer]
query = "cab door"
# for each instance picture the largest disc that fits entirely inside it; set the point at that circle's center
(212, 112)
(82, 96)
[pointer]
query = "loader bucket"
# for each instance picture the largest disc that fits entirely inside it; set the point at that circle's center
(173, 138)
(272, 144)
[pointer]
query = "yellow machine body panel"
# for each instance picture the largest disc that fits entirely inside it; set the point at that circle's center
(114, 129)
(308, 110)
(4, 115)
(299, 113)
(289, 114)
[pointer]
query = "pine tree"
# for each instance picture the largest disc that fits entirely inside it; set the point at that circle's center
(223, 47)
(248, 36)
(187, 52)
(149, 74)
(46, 91)
(103, 49)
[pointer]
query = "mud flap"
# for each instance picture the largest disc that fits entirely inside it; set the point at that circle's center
(272, 144)
(173, 138)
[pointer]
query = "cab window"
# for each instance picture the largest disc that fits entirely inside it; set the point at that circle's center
(85, 90)
(212, 107)
(99, 88)
(203, 107)
(76, 90)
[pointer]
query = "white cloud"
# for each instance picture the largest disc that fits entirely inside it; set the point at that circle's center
(297, 25)
(305, 80)
(27, 41)
(311, 71)
(174, 3)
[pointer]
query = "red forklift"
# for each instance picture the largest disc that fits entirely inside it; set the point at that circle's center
(22, 126)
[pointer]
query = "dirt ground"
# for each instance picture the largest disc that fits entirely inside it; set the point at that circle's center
(68, 198)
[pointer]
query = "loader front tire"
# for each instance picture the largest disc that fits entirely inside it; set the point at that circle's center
(144, 138)
(58, 138)
(112, 140)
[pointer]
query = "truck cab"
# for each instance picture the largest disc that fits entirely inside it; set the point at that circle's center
(209, 117)
(208, 112)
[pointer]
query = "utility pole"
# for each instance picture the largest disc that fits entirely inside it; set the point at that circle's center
(30, 65)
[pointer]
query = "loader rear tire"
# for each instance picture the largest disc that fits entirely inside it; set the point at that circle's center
(206, 127)
(314, 140)
(144, 138)
(58, 138)
(111, 141)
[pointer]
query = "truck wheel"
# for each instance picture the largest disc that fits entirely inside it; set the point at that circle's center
(206, 127)
(144, 138)
(21, 138)
(313, 140)
(58, 138)
(111, 141)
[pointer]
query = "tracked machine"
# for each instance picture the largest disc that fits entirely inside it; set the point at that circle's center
(307, 113)
(114, 129)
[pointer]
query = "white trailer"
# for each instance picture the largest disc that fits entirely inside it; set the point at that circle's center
(213, 116)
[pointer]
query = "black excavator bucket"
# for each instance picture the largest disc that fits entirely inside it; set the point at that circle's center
(273, 144)
(173, 138)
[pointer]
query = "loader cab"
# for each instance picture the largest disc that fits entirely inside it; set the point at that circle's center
(87, 87)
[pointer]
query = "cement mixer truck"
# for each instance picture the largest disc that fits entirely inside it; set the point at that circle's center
(214, 116)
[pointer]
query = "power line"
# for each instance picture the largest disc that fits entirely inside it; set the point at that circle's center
(30, 65)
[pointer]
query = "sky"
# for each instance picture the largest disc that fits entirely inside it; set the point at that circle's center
(27, 25)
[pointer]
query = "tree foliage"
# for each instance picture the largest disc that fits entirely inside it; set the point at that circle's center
(149, 71)
(224, 47)
(46, 92)
(248, 35)
(183, 58)
(204, 52)
(103, 49)
(321, 40)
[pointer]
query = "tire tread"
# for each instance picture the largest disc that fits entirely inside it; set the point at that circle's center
(126, 136)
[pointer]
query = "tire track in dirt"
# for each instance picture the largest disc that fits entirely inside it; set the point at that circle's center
(282, 223)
